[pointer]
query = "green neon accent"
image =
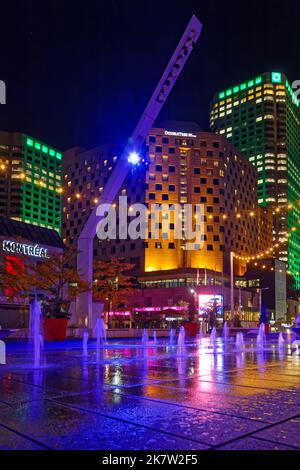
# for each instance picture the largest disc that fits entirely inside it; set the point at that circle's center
(29, 142)
(229, 92)
(45, 148)
(276, 77)
(243, 86)
(52, 153)
(258, 80)
(37, 145)
(58, 155)
(293, 96)
(236, 89)
(251, 83)
(221, 95)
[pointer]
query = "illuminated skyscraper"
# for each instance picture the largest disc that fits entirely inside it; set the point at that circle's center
(262, 119)
(30, 180)
(184, 167)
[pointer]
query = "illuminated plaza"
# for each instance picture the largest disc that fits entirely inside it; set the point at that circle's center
(149, 232)
(209, 396)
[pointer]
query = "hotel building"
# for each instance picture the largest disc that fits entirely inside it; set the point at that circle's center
(185, 167)
(261, 118)
(30, 180)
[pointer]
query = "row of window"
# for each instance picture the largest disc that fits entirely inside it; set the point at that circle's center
(165, 141)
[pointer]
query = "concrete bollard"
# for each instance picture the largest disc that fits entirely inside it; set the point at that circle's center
(2, 353)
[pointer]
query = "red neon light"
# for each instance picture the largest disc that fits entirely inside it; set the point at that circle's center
(11, 265)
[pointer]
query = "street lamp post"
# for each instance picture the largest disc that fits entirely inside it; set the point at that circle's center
(260, 289)
(231, 286)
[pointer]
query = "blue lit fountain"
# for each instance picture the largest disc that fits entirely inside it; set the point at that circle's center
(225, 331)
(100, 333)
(35, 331)
(85, 339)
(172, 335)
(280, 342)
(145, 337)
(239, 342)
(260, 340)
(181, 341)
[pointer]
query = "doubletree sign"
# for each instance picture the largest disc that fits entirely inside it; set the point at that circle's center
(24, 249)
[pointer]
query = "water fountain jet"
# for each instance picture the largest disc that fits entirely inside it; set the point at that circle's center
(35, 332)
(154, 337)
(213, 334)
(145, 337)
(225, 331)
(85, 339)
(239, 342)
(172, 336)
(181, 340)
(280, 342)
(260, 340)
(100, 333)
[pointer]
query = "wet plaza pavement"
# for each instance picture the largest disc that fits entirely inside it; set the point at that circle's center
(151, 398)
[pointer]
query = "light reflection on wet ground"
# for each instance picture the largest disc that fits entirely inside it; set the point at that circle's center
(210, 396)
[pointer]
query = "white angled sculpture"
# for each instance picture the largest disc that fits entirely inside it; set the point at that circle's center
(129, 157)
(2, 353)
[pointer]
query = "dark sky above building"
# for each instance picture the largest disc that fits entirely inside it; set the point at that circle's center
(80, 73)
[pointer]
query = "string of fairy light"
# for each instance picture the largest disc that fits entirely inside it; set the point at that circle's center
(269, 252)
(251, 213)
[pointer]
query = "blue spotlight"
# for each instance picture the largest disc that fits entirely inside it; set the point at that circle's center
(134, 158)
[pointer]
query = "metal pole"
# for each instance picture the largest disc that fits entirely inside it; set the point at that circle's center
(240, 301)
(113, 185)
(231, 286)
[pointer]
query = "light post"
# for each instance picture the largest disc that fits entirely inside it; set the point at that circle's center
(260, 289)
(231, 286)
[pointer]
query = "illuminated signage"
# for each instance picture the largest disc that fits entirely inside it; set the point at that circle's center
(276, 77)
(24, 249)
(209, 303)
(180, 134)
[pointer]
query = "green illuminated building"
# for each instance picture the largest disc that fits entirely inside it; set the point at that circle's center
(30, 180)
(261, 117)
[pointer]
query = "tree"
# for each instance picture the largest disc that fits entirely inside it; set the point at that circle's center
(111, 283)
(192, 309)
(54, 277)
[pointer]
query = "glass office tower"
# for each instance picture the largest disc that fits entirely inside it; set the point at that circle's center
(262, 119)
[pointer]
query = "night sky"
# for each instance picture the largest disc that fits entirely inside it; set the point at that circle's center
(81, 73)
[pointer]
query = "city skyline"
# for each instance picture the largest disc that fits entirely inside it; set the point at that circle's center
(149, 230)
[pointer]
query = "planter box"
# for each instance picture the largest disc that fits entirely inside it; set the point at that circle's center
(191, 329)
(55, 329)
